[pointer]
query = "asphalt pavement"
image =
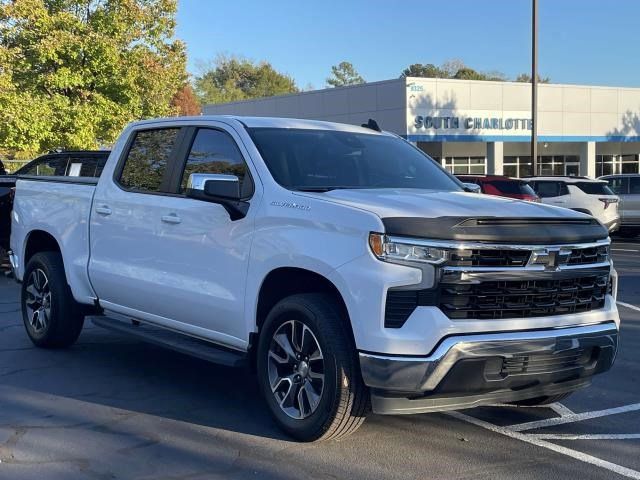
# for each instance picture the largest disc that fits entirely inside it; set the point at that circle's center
(114, 408)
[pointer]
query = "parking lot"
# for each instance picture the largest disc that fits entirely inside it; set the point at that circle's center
(112, 407)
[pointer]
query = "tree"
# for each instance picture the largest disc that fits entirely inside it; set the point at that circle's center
(185, 101)
(344, 74)
(428, 70)
(450, 68)
(526, 78)
(467, 73)
(229, 79)
(74, 72)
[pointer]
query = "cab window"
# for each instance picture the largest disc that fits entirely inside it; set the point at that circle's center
(146, 163)
(215, 152)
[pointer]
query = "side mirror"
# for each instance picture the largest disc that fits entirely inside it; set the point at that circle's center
(471, 187)
(220, 189)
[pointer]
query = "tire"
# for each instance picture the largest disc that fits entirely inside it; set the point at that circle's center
(531, 402)
(51, 316)
(330, 409)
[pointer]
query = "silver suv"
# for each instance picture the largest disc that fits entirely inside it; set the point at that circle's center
(627, 187)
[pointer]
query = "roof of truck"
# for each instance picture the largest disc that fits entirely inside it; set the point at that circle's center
(268, 122)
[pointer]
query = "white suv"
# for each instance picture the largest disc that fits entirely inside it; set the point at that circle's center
(581, 194)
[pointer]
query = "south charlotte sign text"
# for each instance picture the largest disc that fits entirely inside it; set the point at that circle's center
(471, 123)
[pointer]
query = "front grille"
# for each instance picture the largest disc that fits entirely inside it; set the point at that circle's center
(583, 256)
(489, 258)
(501, 299)
(523, 298)
(545, 362)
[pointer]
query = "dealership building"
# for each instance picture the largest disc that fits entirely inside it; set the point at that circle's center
(481, 127)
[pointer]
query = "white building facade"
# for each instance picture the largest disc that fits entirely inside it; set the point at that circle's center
(476, 127)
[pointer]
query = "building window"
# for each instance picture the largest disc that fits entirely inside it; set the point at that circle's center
(517, 166)
(520, 166)
(465, 165)
(616, 164)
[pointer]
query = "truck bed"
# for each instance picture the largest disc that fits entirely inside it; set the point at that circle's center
(62, 207)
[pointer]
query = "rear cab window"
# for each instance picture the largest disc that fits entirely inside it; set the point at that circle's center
(146, 164)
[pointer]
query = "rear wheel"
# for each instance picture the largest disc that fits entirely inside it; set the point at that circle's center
(308, 370)
(542, 400)
(51, 316)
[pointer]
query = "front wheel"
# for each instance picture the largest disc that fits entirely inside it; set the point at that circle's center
(308, 369)
(51, 316)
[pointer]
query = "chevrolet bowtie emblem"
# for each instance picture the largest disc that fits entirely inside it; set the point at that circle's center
(550, 258)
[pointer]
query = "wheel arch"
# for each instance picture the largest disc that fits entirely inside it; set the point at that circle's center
(38, 241)
(286, 281)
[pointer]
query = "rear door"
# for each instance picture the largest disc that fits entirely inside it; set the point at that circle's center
(128, 265)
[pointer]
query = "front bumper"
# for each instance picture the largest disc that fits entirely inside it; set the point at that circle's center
(470, 370)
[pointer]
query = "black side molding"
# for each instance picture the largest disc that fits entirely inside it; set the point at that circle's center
(533, 231)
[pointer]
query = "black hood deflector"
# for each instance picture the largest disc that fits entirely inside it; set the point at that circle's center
(534, 231)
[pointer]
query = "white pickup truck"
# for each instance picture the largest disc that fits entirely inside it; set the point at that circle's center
(340, 262)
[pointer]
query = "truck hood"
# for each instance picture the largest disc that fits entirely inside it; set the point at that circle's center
(431, 204)
(468, 216)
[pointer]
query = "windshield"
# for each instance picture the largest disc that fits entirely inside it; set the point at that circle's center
(319, 160)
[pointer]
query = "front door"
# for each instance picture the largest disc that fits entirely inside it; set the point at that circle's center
(207, 253)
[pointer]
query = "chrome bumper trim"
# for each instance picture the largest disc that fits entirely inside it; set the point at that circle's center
(424, 374)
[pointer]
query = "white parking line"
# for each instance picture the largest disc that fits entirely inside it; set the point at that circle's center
(583, 457)
(623, 250)
(560, 409)
(571, 436)
(576, 417)
(628, 305)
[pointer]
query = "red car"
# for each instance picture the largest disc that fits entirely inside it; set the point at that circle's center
(502, 186)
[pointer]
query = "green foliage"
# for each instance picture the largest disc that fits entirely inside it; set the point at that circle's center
(344, 74)
(467, 73)
(74, 72)
(526, 78)
(451, 69)
(428, 70)
(230, 79)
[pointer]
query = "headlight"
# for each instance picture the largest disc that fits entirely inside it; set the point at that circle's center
(402, 251)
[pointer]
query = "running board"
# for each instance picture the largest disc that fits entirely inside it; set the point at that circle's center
(175, 341)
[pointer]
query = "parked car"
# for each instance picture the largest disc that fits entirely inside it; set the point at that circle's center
(582, 194)
(85, 163)
(627, 187)
(341, 263)
(502, 186)
(3, 171)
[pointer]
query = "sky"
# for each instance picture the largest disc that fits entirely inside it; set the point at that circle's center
(591, 42)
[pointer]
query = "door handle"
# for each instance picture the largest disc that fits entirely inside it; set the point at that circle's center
(103, 210)
(171, 218)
